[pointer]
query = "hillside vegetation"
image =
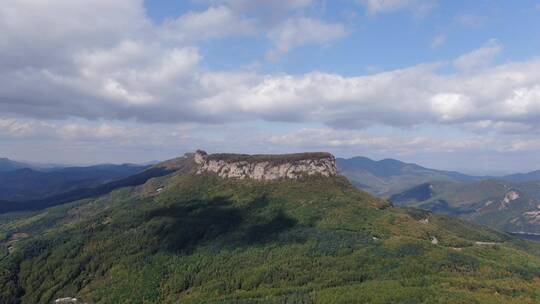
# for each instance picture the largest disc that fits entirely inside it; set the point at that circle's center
(508, 206)
(185, 238)
(271, 158)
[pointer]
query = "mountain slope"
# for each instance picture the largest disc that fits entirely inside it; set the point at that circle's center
(387, 177)
(523, 177)
(89, 192)
(28, 184)
(9, 165)
(197, 238)
(507, 206)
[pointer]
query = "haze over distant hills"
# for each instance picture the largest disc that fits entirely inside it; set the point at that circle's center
(523, 177)
(389, 176)
(25, 186)
(509, 203)
(508, 206)
(9, 165)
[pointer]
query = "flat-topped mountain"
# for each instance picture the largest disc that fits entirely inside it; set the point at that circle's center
(265, 166)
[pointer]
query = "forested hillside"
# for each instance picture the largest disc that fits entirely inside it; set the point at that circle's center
(203, 239)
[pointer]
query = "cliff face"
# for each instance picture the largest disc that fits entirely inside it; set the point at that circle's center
(266, 167)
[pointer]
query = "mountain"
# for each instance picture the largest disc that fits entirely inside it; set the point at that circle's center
(9, 165)
(523, 177)
(508, 206)
(29, 184)
(306, 236)
(388, 176)
(85, 192)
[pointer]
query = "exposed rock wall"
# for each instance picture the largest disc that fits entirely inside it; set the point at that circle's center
(266, 167)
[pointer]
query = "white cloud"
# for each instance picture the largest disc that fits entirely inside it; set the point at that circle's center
(469, 151)
(70, 26)
(151, 82)
(450, 106)
(470, 20)
(523, 101)
(393, 144)
(374, 7)
(84, 131)
(479, 58)
(438, 41)
(269, 4)
(267, 13)
(299, 31)
(121, 80)
(215, 22)
(130, 73)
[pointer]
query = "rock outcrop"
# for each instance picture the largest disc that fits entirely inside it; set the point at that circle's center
(266, 167)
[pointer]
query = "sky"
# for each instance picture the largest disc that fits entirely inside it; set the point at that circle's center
(448, 84)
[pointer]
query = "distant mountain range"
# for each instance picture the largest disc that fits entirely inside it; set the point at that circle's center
(9, 165)
(389, 176)
(523, 177)
(479, 198)
(508, 206)
(25, 186)
(510, 203)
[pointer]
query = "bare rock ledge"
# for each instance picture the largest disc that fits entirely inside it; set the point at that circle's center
(266, 167)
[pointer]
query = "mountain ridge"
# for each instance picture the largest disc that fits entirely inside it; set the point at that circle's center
(505, 205)
(7, 164)
(390, 176)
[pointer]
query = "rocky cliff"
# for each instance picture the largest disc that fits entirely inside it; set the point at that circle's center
(266, 167)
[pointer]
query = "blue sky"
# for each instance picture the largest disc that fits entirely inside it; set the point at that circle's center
(385, 40)
(447, 84)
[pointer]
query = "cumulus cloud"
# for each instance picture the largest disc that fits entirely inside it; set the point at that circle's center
(405, 97)
(70, 26)
(450, 106)
(127, 70)
(150, 80)
(301, 31)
